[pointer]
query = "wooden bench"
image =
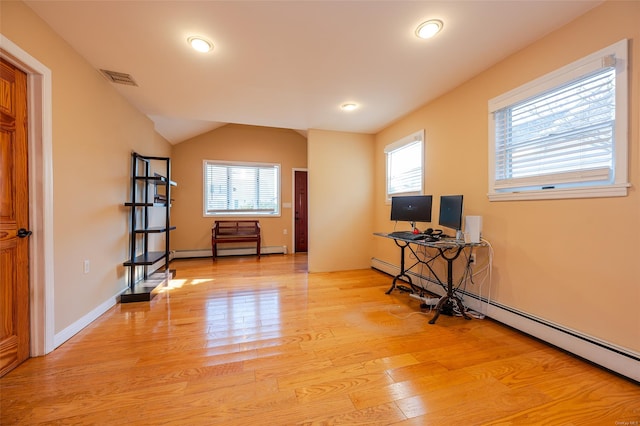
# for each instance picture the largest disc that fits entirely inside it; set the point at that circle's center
(235, 231)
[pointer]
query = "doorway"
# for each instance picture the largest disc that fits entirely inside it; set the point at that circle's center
(300, 211)
(40, 196)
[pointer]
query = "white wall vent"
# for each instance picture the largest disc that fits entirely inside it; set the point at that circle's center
(119, 77)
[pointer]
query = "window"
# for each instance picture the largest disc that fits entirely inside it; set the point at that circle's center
(239, 189)
(563, 135)
(405, 162)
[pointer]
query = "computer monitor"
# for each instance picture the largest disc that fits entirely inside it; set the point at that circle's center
(411, 208)
(451, 212)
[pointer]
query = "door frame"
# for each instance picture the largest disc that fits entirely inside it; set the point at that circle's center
(293, 208)
(39, 134)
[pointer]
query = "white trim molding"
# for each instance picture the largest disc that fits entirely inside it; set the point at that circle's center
(84, 321)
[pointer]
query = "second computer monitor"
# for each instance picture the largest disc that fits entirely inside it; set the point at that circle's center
(451, 212)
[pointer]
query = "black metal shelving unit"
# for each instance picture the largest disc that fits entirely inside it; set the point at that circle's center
(150, 189)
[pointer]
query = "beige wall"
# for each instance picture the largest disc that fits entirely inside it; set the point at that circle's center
(572, 262)
(340, 200)
(94, 132)
(233, 143)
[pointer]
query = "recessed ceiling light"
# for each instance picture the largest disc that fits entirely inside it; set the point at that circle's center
(349, 106)
(200, 44)
(429, 28)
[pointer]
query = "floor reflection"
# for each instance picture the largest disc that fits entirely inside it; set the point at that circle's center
(240, 315)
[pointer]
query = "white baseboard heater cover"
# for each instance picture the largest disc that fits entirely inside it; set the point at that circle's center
(235, 251)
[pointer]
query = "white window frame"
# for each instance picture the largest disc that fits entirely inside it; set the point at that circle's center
(618, 184)
(397, 145)
(240, 213)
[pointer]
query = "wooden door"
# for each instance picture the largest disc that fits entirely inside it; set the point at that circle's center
(301, 217)
(14, 219)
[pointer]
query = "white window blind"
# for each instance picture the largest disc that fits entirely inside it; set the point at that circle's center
(241, 188)
(563, 131)
(565, 135)
(405, 165)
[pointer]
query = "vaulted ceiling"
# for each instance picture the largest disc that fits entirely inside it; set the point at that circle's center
(291, 64)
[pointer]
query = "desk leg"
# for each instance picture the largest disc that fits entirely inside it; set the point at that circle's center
(402, 273)
(442, 302)
(396, 278)
(449, 296)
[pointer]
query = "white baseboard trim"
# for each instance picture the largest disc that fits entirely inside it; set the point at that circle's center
(76, 327)
(236, 251)
(608, 355)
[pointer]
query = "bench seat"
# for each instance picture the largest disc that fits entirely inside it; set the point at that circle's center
(235, 231)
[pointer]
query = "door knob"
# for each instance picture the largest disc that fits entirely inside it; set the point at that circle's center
(23, 233)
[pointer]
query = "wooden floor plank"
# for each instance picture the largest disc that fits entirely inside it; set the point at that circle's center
(241, 341)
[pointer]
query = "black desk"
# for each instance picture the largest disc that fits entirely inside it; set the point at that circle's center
(449, 249)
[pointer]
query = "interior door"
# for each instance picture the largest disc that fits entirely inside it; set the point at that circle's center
(301, 217)
(14, 219)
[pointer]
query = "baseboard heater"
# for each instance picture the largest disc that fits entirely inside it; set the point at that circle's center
(235, 251)
(605, 354)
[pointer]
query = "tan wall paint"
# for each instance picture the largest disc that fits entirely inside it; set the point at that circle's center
(572, 262)
(94, 132)
(340, 200)
(232, 143)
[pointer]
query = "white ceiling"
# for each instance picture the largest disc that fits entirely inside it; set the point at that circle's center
(291, 64)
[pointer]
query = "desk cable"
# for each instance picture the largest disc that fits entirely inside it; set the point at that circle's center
(489, 274)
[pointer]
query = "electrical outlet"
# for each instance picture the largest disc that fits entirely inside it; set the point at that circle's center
(472, 259)
(284, 232)
(86, 266)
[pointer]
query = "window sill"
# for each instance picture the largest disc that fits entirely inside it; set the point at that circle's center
(617, 190)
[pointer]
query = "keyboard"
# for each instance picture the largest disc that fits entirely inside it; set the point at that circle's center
(407, 235)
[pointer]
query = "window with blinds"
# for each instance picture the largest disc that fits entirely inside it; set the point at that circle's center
(242, 189)
(564, 134)
(405, 170)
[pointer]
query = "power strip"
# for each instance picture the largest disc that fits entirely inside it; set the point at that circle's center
(431, 301)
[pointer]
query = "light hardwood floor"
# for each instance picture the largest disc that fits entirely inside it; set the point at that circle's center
(248, 342)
